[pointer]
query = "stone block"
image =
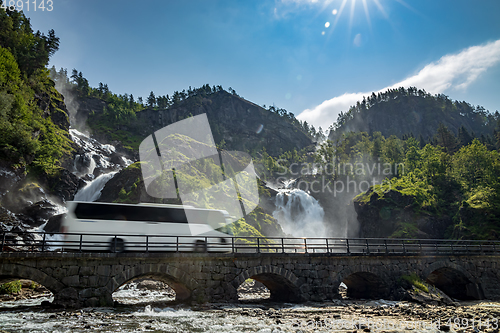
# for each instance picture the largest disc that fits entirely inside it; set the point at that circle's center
(72, 281)
(241, 263)
(84, 281)
(266, 261)
(87, 270)
(116, 269)
(213, 284)
(59, 273)
(218, 277)
(104, 270)
(229, 277)
(201, 276)
(73, 270)
(87, 292)
(93, 281)
(323, 274)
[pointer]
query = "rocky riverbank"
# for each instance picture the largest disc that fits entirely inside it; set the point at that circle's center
(28, 290)
(147, 305)
(338, 316)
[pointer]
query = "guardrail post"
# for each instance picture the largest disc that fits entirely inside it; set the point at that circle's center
(258, 245)
(481, 247)
(81, 241)
(115, 241)
(404, 247)
(305, 245)
(282, 245)
(147, 244)
(32, 244)
(385, 244)
(367, 247)
(467, 247)
(232, 244)
(3, 241)
(177, 244)
(436, 246)
(347, 243)
(420, 245)
(43, 241)
(327, 248)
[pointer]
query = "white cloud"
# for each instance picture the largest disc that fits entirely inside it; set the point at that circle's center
(452, 71)
(357, 40)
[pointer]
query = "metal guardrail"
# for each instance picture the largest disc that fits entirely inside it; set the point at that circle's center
(87, 242)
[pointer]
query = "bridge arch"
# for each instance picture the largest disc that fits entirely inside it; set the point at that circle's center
(176, 278)
(454, 280)
(363, 282)
(282, 283)
(9, 272)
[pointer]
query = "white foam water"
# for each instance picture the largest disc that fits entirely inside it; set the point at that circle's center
(92, 191)
(299, 214)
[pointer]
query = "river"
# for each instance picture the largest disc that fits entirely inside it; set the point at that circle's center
(154, 311)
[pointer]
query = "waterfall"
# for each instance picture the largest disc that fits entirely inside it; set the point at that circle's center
(299, 214)
(94, 155)
(92, 191)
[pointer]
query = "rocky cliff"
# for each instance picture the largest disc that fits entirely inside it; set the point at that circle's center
(393, 214)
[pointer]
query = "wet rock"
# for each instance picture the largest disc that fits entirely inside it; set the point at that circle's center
(410, 293)
(65, 185)
(54, 223)
(9, 177)
(8, 219)
(151, 285)
(24, 195)
(38, 213)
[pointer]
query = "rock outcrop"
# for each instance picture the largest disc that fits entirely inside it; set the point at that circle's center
(392, 214)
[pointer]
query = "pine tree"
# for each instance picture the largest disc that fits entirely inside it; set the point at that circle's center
(464, 138)
(445, 138)
(151, 100)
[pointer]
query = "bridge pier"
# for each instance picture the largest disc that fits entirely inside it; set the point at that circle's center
(90, 279)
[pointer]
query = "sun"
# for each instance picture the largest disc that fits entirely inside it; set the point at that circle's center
(338, 12)
(351, 5)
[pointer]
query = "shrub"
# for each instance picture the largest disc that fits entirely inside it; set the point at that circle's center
(11, 287)
(416, 281)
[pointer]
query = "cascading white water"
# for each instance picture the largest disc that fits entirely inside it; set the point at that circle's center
(96, 155)
(299, 214)
(92, 191)
(84, 164)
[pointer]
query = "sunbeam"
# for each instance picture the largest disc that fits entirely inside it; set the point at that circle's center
(338, 15)
(379, 6)
(367, 14)
(351, 16)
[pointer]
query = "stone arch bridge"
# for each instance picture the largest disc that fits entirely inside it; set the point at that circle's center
(89, 279)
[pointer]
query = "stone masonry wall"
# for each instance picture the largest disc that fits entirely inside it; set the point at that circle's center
(84, 279)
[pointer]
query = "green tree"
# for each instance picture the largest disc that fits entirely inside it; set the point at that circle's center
(151, 100)
(475, 166)
(446, 139)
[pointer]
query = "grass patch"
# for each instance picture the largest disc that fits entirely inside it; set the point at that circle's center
(415, 280)
(12, 287)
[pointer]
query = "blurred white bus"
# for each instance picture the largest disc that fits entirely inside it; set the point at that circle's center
(98, 226)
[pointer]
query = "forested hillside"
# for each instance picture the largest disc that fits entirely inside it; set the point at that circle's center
(237, 124)
(414, 112)
(445, 189)
(33, 119)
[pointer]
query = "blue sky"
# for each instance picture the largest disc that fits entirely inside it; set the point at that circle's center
(313, 58)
